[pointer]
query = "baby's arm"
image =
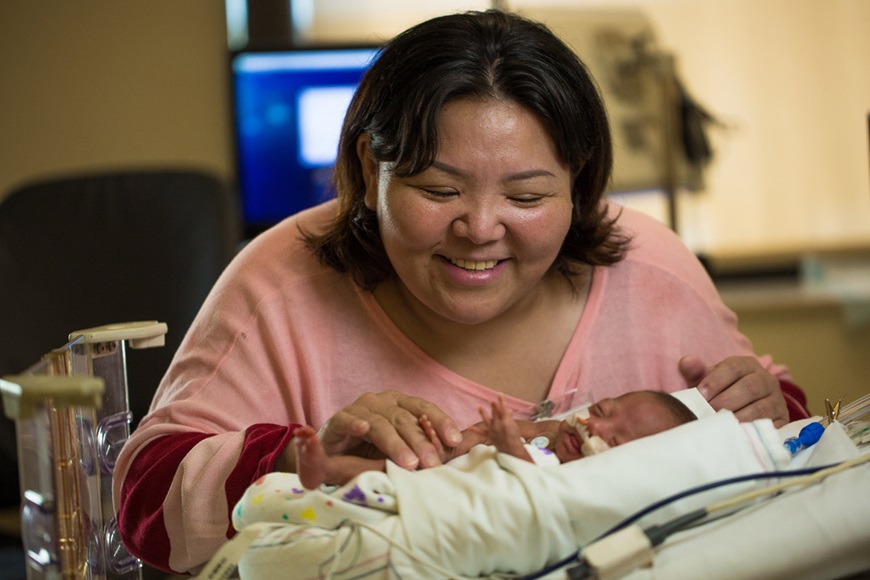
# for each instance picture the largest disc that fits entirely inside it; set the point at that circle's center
(474, 435)
(503, 431)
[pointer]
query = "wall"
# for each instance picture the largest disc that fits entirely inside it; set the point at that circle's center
(789, 78)
(825, 354)
(101, 83)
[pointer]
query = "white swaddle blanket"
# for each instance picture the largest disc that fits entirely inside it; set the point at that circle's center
(810, 532)
(489, 513)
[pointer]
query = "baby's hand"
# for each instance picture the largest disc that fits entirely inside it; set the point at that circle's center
(474, 435)
(503, 431)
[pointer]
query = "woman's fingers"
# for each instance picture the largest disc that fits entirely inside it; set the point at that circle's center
(739, 384)
(390, 422)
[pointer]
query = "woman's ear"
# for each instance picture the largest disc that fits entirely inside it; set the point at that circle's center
(369, 170)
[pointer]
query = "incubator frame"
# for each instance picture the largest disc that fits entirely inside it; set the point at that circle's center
(72, 418)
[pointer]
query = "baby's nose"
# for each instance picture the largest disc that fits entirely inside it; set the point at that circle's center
(599, 427)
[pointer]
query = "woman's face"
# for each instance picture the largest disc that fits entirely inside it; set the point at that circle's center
(474, 235)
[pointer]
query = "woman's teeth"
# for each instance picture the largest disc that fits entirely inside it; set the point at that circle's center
(470, 265)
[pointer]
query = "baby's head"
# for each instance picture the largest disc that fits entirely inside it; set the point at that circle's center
(612, 422)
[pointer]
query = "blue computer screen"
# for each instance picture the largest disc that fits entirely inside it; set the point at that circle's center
(288, 108)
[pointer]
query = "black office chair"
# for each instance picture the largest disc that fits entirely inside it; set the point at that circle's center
(95, 249)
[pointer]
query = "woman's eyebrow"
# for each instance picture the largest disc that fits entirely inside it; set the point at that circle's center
(448, 168)
(530, 174)
(519, 176)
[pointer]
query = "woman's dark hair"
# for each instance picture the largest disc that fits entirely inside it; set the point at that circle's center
(488, 55)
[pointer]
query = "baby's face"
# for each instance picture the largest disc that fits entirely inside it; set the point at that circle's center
(628, 417)
(615, 421)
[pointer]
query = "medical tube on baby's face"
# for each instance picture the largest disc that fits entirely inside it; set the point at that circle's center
(592, 444)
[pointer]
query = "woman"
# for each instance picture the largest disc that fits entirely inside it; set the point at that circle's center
(469, 255)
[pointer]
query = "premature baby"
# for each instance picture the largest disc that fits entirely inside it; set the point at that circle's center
(607, 423)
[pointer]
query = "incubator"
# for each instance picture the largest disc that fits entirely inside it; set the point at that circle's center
(72, 418)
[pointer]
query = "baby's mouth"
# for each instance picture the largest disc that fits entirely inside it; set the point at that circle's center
(592, 444)
(472, 265)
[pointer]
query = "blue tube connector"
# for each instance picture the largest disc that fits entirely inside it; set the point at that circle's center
(807, 437)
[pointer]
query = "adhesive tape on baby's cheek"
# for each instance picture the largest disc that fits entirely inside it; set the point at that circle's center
(593, 446)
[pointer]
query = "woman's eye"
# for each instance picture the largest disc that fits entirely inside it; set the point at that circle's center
(441, 194)
(526, 199)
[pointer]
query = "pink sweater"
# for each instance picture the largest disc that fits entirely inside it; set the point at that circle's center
(282, 340)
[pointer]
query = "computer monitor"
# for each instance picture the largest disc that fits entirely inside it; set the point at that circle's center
(288, 108)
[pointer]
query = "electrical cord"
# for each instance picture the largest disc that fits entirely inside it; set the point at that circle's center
(630, 547)
(808, 479)
(707, 487)
(662, 503)
(657, 534)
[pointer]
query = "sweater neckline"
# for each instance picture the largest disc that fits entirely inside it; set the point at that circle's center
(560, 388)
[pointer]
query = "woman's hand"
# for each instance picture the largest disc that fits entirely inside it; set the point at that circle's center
(740, 384)
(388, 424)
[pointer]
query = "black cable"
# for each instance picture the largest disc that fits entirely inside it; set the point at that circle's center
(669, 527)
(706, 487)
(580, 571)
(658, 534)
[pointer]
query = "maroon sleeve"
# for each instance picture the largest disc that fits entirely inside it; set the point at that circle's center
(150, 475)
(140, 517)
(264, 443)
(795, 399)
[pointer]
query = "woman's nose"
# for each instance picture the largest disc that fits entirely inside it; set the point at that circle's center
(480, 223)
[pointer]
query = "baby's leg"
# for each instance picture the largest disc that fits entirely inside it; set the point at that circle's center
(312, 464)
(503, 431)
(315, 468)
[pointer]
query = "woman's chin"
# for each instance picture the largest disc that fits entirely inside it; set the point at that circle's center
(472, 310)
(469, 316)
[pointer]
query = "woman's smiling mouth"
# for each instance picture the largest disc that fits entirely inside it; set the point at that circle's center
(473, 265)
